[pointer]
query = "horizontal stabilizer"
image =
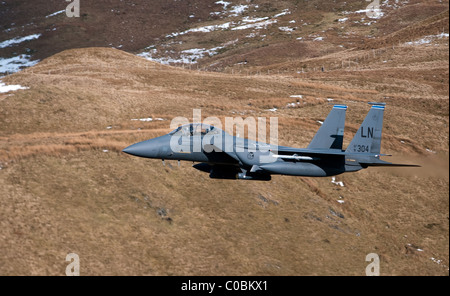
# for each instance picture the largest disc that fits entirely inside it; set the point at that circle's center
(377, 162)
(388, 164)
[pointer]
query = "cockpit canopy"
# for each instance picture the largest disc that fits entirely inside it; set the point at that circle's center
(196, 129)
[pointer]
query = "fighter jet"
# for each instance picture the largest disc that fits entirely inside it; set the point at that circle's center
(224, 156)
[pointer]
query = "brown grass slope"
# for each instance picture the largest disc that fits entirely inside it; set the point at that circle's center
(431, 26)
(65, 187)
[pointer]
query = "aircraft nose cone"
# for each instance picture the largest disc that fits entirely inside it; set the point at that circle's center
(147, 149)
(132, 150)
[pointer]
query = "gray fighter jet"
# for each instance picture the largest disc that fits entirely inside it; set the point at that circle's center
(224, 156)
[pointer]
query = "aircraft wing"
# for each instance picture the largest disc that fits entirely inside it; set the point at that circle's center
(320, 152)
(363, 159)
(218, 156)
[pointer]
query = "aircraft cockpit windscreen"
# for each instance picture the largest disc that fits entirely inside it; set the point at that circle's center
(196, 129)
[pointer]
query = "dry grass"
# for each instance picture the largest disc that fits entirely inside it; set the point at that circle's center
(62, 193)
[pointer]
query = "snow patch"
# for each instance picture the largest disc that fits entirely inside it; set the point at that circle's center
(428, 39)
(339, 183)
(18, 40)
(224, 3)
(286, 29)
(251, 35)
(189, 56)
(249, 22)
(293, 105)
(15, 64)
(234, 11)
(375, 13)
(205, 29)
(56, 13)
(194, 54)
(254, 20)
(439, 262)
(285, 12)
(238, 10)
(150, 119)
(257, 26)
(7, 88)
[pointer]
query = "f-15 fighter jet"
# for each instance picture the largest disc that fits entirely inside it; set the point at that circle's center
(224, 156)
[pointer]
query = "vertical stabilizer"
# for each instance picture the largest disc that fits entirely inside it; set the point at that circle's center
(368, 136)
(331, 133)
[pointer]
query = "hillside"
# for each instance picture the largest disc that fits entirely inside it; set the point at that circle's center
(66, 187)
(210, 34)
